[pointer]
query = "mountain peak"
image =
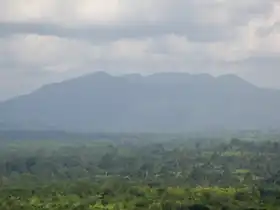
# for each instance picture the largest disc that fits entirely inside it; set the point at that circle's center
(98, 75)
(230, 77)
(101, 74)
(179, 78)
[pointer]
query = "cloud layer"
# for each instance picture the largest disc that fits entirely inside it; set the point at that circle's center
(49, 40)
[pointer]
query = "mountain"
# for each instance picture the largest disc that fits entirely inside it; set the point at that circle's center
(163, 102)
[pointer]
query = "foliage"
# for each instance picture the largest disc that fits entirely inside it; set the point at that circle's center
(124, 174)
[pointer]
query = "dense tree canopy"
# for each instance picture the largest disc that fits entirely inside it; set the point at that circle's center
(147, 173)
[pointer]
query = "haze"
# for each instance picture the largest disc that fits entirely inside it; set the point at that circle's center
(140, 104)
(46, 41)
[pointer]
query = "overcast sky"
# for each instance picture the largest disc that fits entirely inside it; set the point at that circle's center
(43, 41)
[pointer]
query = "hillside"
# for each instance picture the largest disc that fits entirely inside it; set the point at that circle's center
(163, 102)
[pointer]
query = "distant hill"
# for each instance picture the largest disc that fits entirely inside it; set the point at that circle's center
(163, 102)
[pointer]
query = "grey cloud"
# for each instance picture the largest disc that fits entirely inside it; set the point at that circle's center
(242, 15)
(262, 70)
(188, 18)
(25, 79)
(197, 20)
(136, 30)
(266, 31)
(264, 62)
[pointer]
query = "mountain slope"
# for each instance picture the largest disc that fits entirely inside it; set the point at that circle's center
(164, 102)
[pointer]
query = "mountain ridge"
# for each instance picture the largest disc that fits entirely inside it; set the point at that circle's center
(173, 102)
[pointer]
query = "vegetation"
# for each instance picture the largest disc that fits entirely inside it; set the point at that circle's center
(127, 172)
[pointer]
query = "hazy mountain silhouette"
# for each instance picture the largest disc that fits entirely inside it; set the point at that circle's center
(163, 102)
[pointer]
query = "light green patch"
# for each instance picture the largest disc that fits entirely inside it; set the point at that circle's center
(241, 171)
(232, 154)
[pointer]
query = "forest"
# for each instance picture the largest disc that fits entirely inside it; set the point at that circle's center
(140, 172)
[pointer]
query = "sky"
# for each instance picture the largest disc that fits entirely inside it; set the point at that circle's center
(44, 41)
